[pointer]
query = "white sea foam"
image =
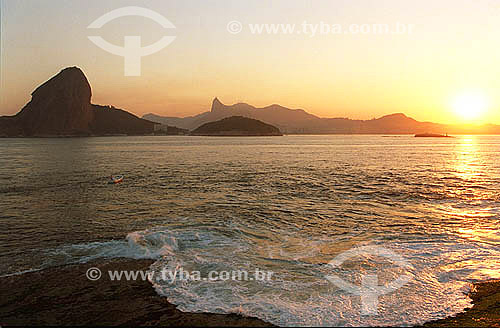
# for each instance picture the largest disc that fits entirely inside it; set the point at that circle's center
(299, 294)
(137, 245)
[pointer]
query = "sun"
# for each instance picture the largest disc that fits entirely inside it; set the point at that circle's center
(470, 105)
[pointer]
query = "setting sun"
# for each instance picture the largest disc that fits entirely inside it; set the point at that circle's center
(250, 163)
(470, 105)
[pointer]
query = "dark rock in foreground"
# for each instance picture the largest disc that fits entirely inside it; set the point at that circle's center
(64, 296)
(484, 313)
(62, 107)
(237, 126)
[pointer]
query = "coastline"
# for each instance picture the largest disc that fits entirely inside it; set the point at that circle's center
(64, 296)
(485, 311)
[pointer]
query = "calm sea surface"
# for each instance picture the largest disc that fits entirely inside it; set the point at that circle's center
(284, 204)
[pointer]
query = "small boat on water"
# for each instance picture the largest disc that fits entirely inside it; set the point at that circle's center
(116, 179)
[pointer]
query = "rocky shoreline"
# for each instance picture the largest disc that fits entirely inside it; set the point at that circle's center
(65, 296)
(484, 313)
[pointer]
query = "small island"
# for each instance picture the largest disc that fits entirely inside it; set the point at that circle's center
(432, 135)
(237, 126)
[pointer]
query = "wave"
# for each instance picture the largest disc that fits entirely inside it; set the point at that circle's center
(441, 270)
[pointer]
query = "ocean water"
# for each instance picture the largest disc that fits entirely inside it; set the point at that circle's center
(289, 205)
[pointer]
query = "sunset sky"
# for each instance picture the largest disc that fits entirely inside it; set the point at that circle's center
(448, 64)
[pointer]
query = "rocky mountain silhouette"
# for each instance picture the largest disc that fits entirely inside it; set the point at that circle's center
(62, 107)
(285, 119)
(298, 121)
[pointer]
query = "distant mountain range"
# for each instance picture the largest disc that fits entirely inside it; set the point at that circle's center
(298, 121)
(62, 107)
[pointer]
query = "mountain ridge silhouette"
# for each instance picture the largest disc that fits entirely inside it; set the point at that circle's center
(62, 106)
(299, 121)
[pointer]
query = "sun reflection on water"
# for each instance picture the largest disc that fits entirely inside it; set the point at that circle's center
(467, 161)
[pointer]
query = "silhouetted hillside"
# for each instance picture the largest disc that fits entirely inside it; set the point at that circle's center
(285, 119)
(61, 107)
(237, 126)
(297, 121)
(110, 120)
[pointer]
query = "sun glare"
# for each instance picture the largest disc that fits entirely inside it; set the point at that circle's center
(471, 105)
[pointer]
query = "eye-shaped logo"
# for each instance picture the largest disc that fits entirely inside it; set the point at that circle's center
(132, 51)
(369, 289)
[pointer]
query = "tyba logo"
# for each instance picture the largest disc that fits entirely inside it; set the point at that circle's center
(132, 51)
(369, 289)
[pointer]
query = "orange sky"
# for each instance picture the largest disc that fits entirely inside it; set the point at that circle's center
(453, 49)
